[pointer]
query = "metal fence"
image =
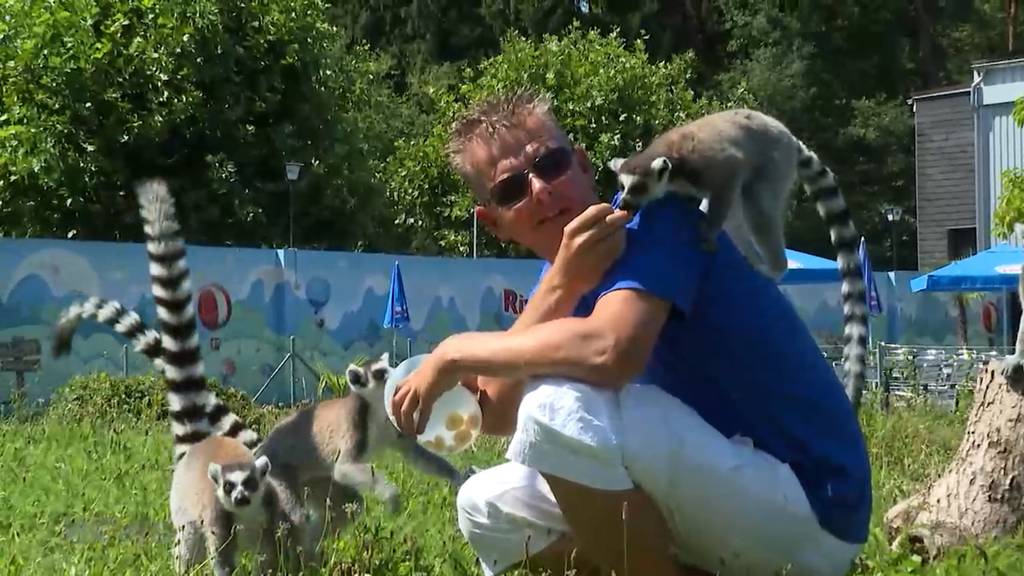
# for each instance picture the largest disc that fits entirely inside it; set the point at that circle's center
(933, 372)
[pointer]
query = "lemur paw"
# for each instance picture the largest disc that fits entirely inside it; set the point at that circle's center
(465, 475)
(1012, 368)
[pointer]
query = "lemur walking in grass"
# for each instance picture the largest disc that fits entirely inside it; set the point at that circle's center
(329, 443)
(221, 493)
(326, 445)
(746, 161)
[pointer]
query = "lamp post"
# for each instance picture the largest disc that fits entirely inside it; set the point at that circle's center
(291, 171)
(892, 214)
(474, 233)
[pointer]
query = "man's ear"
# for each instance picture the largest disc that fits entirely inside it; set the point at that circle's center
(486, 217)
(583, 159)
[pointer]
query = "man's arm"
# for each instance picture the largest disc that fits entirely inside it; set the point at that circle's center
(499, 396)
(607, 348)
(590, 244)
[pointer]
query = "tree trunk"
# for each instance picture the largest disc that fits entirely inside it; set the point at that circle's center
(926, 43)
(981, 492)
(961, 319)
(1011, 20)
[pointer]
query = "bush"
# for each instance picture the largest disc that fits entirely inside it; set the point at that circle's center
(101, 397)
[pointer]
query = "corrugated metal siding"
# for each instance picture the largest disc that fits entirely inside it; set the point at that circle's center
(944, 136)
(1003, 148)
(1004, 75)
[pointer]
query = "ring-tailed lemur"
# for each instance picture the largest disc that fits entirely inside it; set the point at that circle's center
(221, 492)
(324, 447)
(125, 322)
(339, 437)
(365, 409)
(315, 450)
(746, 161)
(1013, 365)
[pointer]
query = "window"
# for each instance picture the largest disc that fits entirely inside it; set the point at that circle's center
(961, 243)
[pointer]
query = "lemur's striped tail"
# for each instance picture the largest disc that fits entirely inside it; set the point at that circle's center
(125, 322)
(821, 184)
(196, 412)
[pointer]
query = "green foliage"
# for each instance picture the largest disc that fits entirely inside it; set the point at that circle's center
(103, 398)
(215, 95)
(98, 397)
(1010, 205)
(89, 495)
(610, 98)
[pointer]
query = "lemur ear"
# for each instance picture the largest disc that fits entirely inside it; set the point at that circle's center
(262, 466)
(661, 166)
(213, 470)
(615, 164)
(354, 375)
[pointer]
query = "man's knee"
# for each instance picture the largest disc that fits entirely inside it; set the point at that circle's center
(471, 502)
(506, 510)
(572, 430)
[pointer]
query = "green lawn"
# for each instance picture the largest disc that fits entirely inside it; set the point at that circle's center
(89, 496)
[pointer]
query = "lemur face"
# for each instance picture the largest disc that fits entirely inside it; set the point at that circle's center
(369, 377)
(641, 184)
(238, 486)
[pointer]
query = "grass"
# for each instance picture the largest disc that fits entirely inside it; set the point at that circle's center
(88, 495)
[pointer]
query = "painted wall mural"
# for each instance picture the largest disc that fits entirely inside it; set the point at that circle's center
(251, 302)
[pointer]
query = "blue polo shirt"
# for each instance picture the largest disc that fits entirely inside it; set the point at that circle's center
(735, 349)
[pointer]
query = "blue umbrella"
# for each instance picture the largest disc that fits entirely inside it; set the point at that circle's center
(874, 302)
(397, 313)
(809, 269)
(994, 270)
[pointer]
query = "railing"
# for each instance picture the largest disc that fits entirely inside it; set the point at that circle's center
(935, 372)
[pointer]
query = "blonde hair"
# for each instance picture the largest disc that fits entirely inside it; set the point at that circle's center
(492, 116)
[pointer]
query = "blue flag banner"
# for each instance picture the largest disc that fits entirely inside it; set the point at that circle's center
(397, 313)
(874, 302)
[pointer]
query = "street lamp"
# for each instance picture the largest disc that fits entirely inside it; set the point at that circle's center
(291, 171)
(892, 214)
(292, 174)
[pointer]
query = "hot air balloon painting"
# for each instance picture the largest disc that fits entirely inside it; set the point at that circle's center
(214, 307)
(318, 293)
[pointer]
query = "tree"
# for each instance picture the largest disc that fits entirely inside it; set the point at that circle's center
(609, 97)
(214, 95)
(1010, 204)
(980, 494)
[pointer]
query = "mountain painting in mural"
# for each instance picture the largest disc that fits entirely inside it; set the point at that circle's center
(252, 302)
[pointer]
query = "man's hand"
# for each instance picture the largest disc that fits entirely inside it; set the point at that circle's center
(591, 243)
(420, 390)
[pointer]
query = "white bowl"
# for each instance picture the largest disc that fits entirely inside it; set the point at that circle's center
(454, 419)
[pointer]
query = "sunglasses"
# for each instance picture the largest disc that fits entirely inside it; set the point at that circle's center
(551, 165)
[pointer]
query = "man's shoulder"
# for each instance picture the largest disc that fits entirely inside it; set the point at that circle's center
(669, 215)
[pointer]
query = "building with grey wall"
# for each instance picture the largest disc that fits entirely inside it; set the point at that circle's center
(965, 138)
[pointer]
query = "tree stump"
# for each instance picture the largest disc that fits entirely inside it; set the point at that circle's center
(981, 492)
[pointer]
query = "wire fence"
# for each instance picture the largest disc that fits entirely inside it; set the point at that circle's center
(937, 373)
(901, 372)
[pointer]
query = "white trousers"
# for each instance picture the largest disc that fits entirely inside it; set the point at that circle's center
(731, 508)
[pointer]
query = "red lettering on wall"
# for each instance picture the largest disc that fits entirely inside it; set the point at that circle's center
(512, 302)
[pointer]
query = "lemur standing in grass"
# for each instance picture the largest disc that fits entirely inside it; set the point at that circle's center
(330, 443)
(221, 493)
(746, 161)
